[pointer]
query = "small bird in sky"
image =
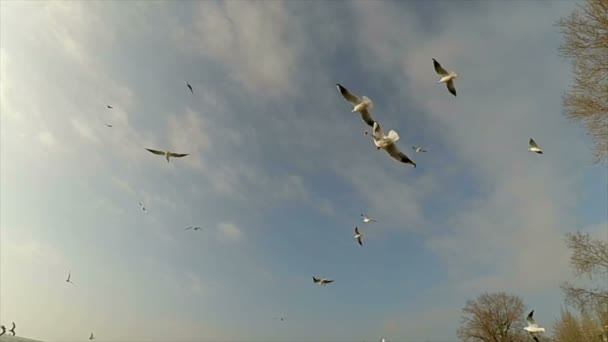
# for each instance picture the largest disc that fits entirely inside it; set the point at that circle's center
(107, 124)
(195, 228)
(12, 331)
(534, 147)
(110, 107)
(282, 319)
(167, 154)
(69, 278)
(358, 236)
(418, 149)
(190, 87)
(446, 77)
(143, 208)
(91, 337)
(321, 281)
(367, 219)
(3, 330)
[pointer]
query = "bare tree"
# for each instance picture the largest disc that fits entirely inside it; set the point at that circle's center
(589, 326)
(493, 317)
(589, 258)
(586, 44)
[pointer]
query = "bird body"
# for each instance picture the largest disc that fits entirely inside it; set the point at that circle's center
(533, 147)
(387, 142)
(367, 219)
(321, 281)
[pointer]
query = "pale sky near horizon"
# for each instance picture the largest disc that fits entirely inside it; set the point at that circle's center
(279, 170)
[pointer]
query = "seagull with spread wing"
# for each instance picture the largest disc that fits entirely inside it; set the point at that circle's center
(195, 228)
(190, 87)
(69, 278)
(109, 107)
(143, 208)
(418, 149)
(167, 154)
(533, 329)
(361, 105)
(3, 328)
(534, 147)
(447, 77)
(387, 143)
(321, 281)
(358, 236)
(91, 337)
(367, 219)
(12, 331)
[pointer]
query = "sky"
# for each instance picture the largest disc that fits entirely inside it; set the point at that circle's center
(279, 170)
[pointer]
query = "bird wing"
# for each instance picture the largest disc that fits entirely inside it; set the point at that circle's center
(533, 143)
(366, 116)
(327, 281)
(315, 280)
(377, 131)
(451, 88)
(357, 230)
(162, 153)
(359, 240)
(178, 155)
(530, 319)
(348, 96)
(394, 152)
(439, 69)
(188, 228)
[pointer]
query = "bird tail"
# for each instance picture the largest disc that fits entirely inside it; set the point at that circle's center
(393, 136)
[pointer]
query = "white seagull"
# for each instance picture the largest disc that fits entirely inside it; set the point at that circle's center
(367, 219)
(358, 236)
(418, 149)
(167, 154)
(362, 105)
(446, 77)
(69, 277)
(91, 337)
(534, 147)
(387, 142)
(143, 208)
(533, 329)
(321, 281)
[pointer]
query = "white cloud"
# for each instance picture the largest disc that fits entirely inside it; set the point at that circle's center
(85, 131)
(229, 231)
(46, 138)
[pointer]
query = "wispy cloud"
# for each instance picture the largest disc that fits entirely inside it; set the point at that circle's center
(229, 231)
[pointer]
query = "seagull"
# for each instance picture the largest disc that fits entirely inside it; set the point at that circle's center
(446, 77)
(107, 124)
(143, 208)
(91, 337)
(361, 105)
(534, 147)
(358, 236)
(13, 329)
(3, 330)
(367, 219)
(418, 149)
(387, 142)
(195, 228)
(190, 87)
(69, 277)
(110, 107)
(533, 329)
(321, 281)
(167, 154)
(282, 319)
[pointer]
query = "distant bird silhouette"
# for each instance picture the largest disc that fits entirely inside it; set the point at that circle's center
(167, 154)
(321, 281)
(534, 147)
(358, 236)
(143, 208)
(91, 337)
(69, 277)
(110, 107)
(282, 319)
(195, 228)
(190, 87)
(13, 329)
(107, 124)
(3, 330)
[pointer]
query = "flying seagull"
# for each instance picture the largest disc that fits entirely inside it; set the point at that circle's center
(534, 147)
(107, 124)
(3, 330)
(110, 107)
(168, 154)
(143, 208)
(533, 329)
(361, 105)
(13, 329)
(358, 236)
(321, 281)
(91, 337)
(69, 277)
(418, 149)
(446, 77)
(282, 319)
(387, 142)
(190, 87)
(195, 228)
(367, 219)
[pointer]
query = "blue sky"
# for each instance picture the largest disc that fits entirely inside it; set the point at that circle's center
(279, 170)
